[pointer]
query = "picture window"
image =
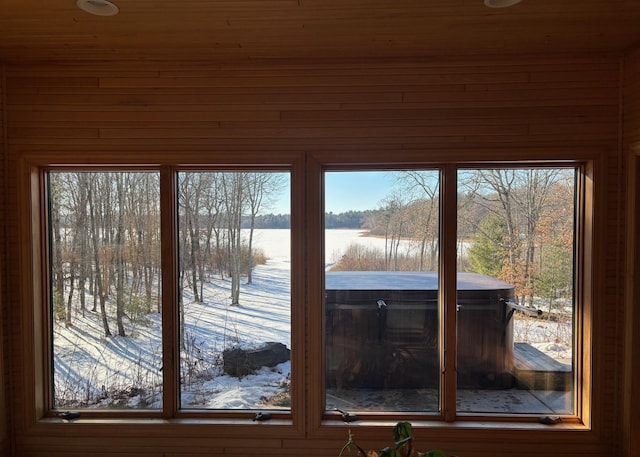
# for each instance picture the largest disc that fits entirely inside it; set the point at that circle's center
(435, 292)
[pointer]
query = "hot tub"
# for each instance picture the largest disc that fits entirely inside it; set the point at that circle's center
(381, 330)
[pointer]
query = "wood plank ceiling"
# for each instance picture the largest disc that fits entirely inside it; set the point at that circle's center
(232, 30)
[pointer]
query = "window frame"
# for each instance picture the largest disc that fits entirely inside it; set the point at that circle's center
(449, 162)
(307, 416)
(36, 248)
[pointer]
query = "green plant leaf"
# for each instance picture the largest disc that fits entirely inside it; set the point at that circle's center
(434, 454)
(402, 432)
(402, 436)
(388, 452)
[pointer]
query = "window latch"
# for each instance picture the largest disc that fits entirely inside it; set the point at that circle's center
(550, 420)
(260, 417)
(69, 415)
(346, 416)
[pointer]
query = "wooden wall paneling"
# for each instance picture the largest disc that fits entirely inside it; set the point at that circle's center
(91, 110)
(369, 106)
(631, 144)
(631, 105)
(4, 385)
(254, 30)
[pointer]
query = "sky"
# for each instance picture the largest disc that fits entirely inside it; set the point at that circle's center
(347, 191)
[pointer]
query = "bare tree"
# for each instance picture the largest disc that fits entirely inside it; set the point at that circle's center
(83, 235)
(393, 215)
(422, 187)
(143, 226)
(119, 260)
(76, 199)
(259, 188)
(98, 268)
(189, 195)
(232, 188)
(212, 206)
(214, 210)
(57, 269)
(519, 197)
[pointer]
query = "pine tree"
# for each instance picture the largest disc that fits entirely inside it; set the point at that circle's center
(488, 251)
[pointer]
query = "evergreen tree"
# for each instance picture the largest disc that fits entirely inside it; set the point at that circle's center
(488, 251)
(555, 280)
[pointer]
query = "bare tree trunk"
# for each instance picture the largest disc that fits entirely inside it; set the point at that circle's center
(256, 183)
(233, 189)
(250, 250)
(96, 258)
(237, 251)
(83, 234)
(193, 257)
(67, 318)
(120, 263)
(190, 202)
(57, 268)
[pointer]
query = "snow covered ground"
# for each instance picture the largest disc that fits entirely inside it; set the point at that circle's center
(126, 372)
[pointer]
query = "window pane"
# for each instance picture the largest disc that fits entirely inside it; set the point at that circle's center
(516, 290)
(381, 305)
(104, 233)
(234, 282)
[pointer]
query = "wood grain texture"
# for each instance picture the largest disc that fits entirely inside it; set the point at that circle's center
(631, 316)
(254, 30)
(155, 110)
(632, 99)
(4, 345)
(354, 106)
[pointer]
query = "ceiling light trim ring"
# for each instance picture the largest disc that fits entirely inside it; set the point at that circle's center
(501, 3)
(98, 7)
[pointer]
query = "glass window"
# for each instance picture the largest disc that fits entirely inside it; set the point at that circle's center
(234, 290)
(105, 281)
(233, 307)
(516, 300)
(514, 305)
(435, 291)
(381, 297)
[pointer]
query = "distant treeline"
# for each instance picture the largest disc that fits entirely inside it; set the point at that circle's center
(346, 220)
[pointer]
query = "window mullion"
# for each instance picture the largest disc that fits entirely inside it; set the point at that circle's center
(448, 291)
(169, 256)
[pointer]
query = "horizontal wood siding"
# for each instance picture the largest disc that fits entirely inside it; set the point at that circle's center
(386, 107)
(631, 145)
(313, 29)
(4, 387)
(632, 100)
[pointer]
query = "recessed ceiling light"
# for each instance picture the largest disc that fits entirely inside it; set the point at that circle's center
(500, 3)
(98, 7)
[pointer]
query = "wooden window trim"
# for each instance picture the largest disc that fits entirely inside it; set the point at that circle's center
(307, 414)
(323, 424)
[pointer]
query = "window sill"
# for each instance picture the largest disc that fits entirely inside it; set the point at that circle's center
(485, 424)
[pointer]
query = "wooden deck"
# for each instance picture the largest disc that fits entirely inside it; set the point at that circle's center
(535, 370)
